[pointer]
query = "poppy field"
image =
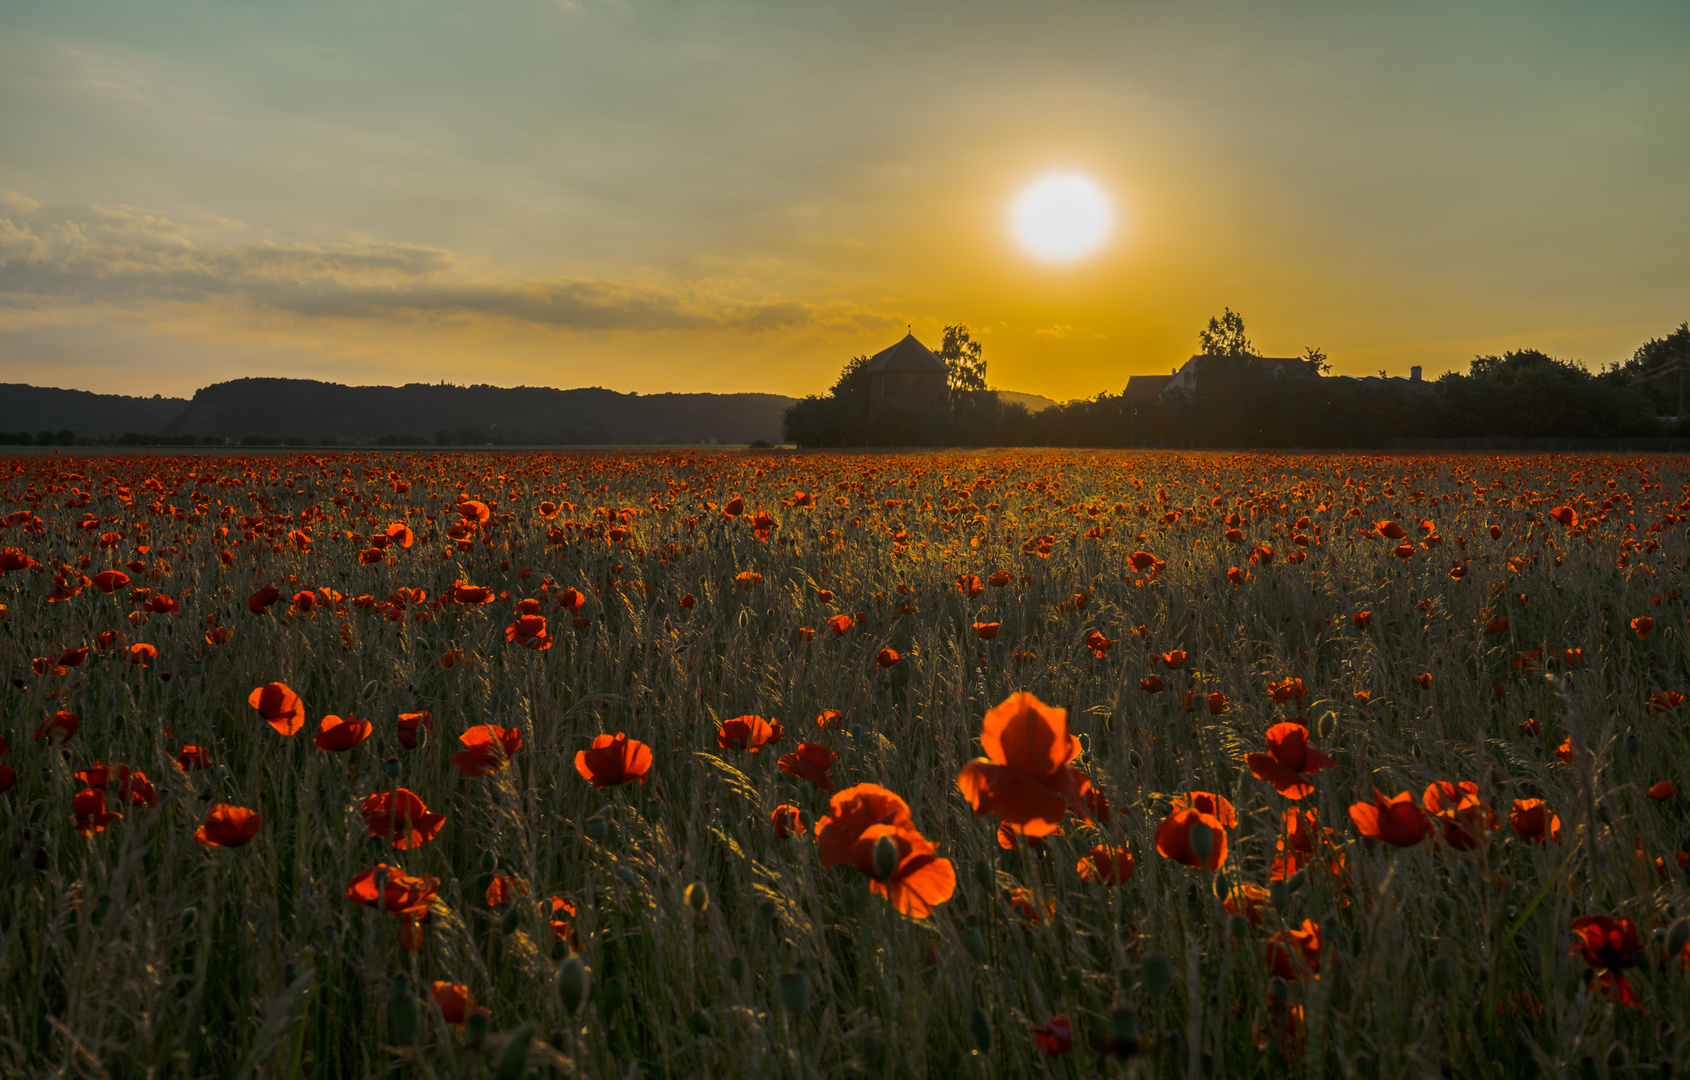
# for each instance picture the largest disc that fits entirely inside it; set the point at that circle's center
(730, 764)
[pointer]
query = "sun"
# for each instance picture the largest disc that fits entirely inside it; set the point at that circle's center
(1061, 218)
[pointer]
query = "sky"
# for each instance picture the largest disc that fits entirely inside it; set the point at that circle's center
(738, 196)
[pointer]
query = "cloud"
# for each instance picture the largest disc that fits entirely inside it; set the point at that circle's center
(18, 202)
(1060, 330)
(126, 257)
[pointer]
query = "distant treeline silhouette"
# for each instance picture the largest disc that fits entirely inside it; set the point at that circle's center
(1523, 394)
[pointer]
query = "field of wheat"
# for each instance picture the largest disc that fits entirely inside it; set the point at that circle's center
(826, 765)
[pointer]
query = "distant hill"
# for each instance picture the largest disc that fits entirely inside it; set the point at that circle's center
(46, 408)
(1033, 402)
(475, 414)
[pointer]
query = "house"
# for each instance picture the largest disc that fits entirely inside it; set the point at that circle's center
(907, 378)
(1184, 381)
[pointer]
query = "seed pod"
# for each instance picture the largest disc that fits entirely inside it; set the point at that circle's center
(391, 767)
(513, 1060)
(572, 983)
(597, 829)
(985, 875)
(475, 1030)
(1156, 972)
(698, 897)
(980, 1027)
(1279, 894)
(1328, 724)
(1279, 989)
(508, 919)
(1678, 935)
(1202, 840)
(1441, 973)
(489, 861)
(653, 810)
(974, 942)
(793, 991)
(701, 1023)
(1633, 746)
(885, 858)
(1133, 760)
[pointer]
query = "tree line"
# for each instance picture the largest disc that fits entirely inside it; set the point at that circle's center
(1522, 394)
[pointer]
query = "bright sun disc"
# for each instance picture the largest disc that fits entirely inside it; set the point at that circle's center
(1061, 218)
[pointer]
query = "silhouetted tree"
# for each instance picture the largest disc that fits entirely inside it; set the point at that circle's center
(1224, 336)
(963, 362)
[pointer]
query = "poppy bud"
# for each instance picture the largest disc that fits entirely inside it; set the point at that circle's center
(767, 916)
(1678, 935)
(1633, 745)
(1328, 724)
(1279, 989)
(698, 897)
(701, 1023)
(1441, 973)
(391, 766)
(189, 917)
(627, 875)
(489, 861)
(1240, 926)
(980, 1027)
(614, 995)
(1202, 840)
(475, 1030)
(572, 983)
(1156, 972)
(974, 942)
(653, 810)
(1279, 894)
(1123, 1031)
(513, 1061)
(1133, 760)
(508, 920)
(886, 857)
(793, 991)
(597, 829)
(984, 874)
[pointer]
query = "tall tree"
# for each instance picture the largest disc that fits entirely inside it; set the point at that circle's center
(1224, 336)
(963, 362)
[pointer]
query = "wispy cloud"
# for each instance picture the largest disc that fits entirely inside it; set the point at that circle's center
(123, 256)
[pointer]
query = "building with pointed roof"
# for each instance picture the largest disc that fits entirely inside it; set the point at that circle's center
(907, 378)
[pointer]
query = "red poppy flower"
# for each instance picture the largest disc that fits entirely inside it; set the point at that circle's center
(1396, 820)
(811, 761)
(337, 735)
(109, 581)
(456, 1002)
(1152, 684)
(529, 631)
(1611, 945)
(502, 890)
(1663, 791)
(999, 579)
(1055, 1036)
(228, 826)
(1458, 808)
(1106, 865)
(1289, 758)
(563, 913)
(1248, 901)
(1142, 561)
(749, 733)
(58, 728)
(970, 585)
(886, 658)
(89, 806)
(1566, 515)
(1390, 530)
(389, 888)
(414, 728)
(1174, 660)
(1217, 704)
(1641, 627)
(857, 819)
(1665, 701)
(1173, 838)
(830, 720)
(259, 602)
(401, 817)
(1534, 821)
(614, 759)
(487, 749)
(841, 625)
(1025, 778)
(279, 706)
(1286, 689)
(986, 631)
(1293, 953)
(787, 822)
(1496, 626)
(192, 757)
